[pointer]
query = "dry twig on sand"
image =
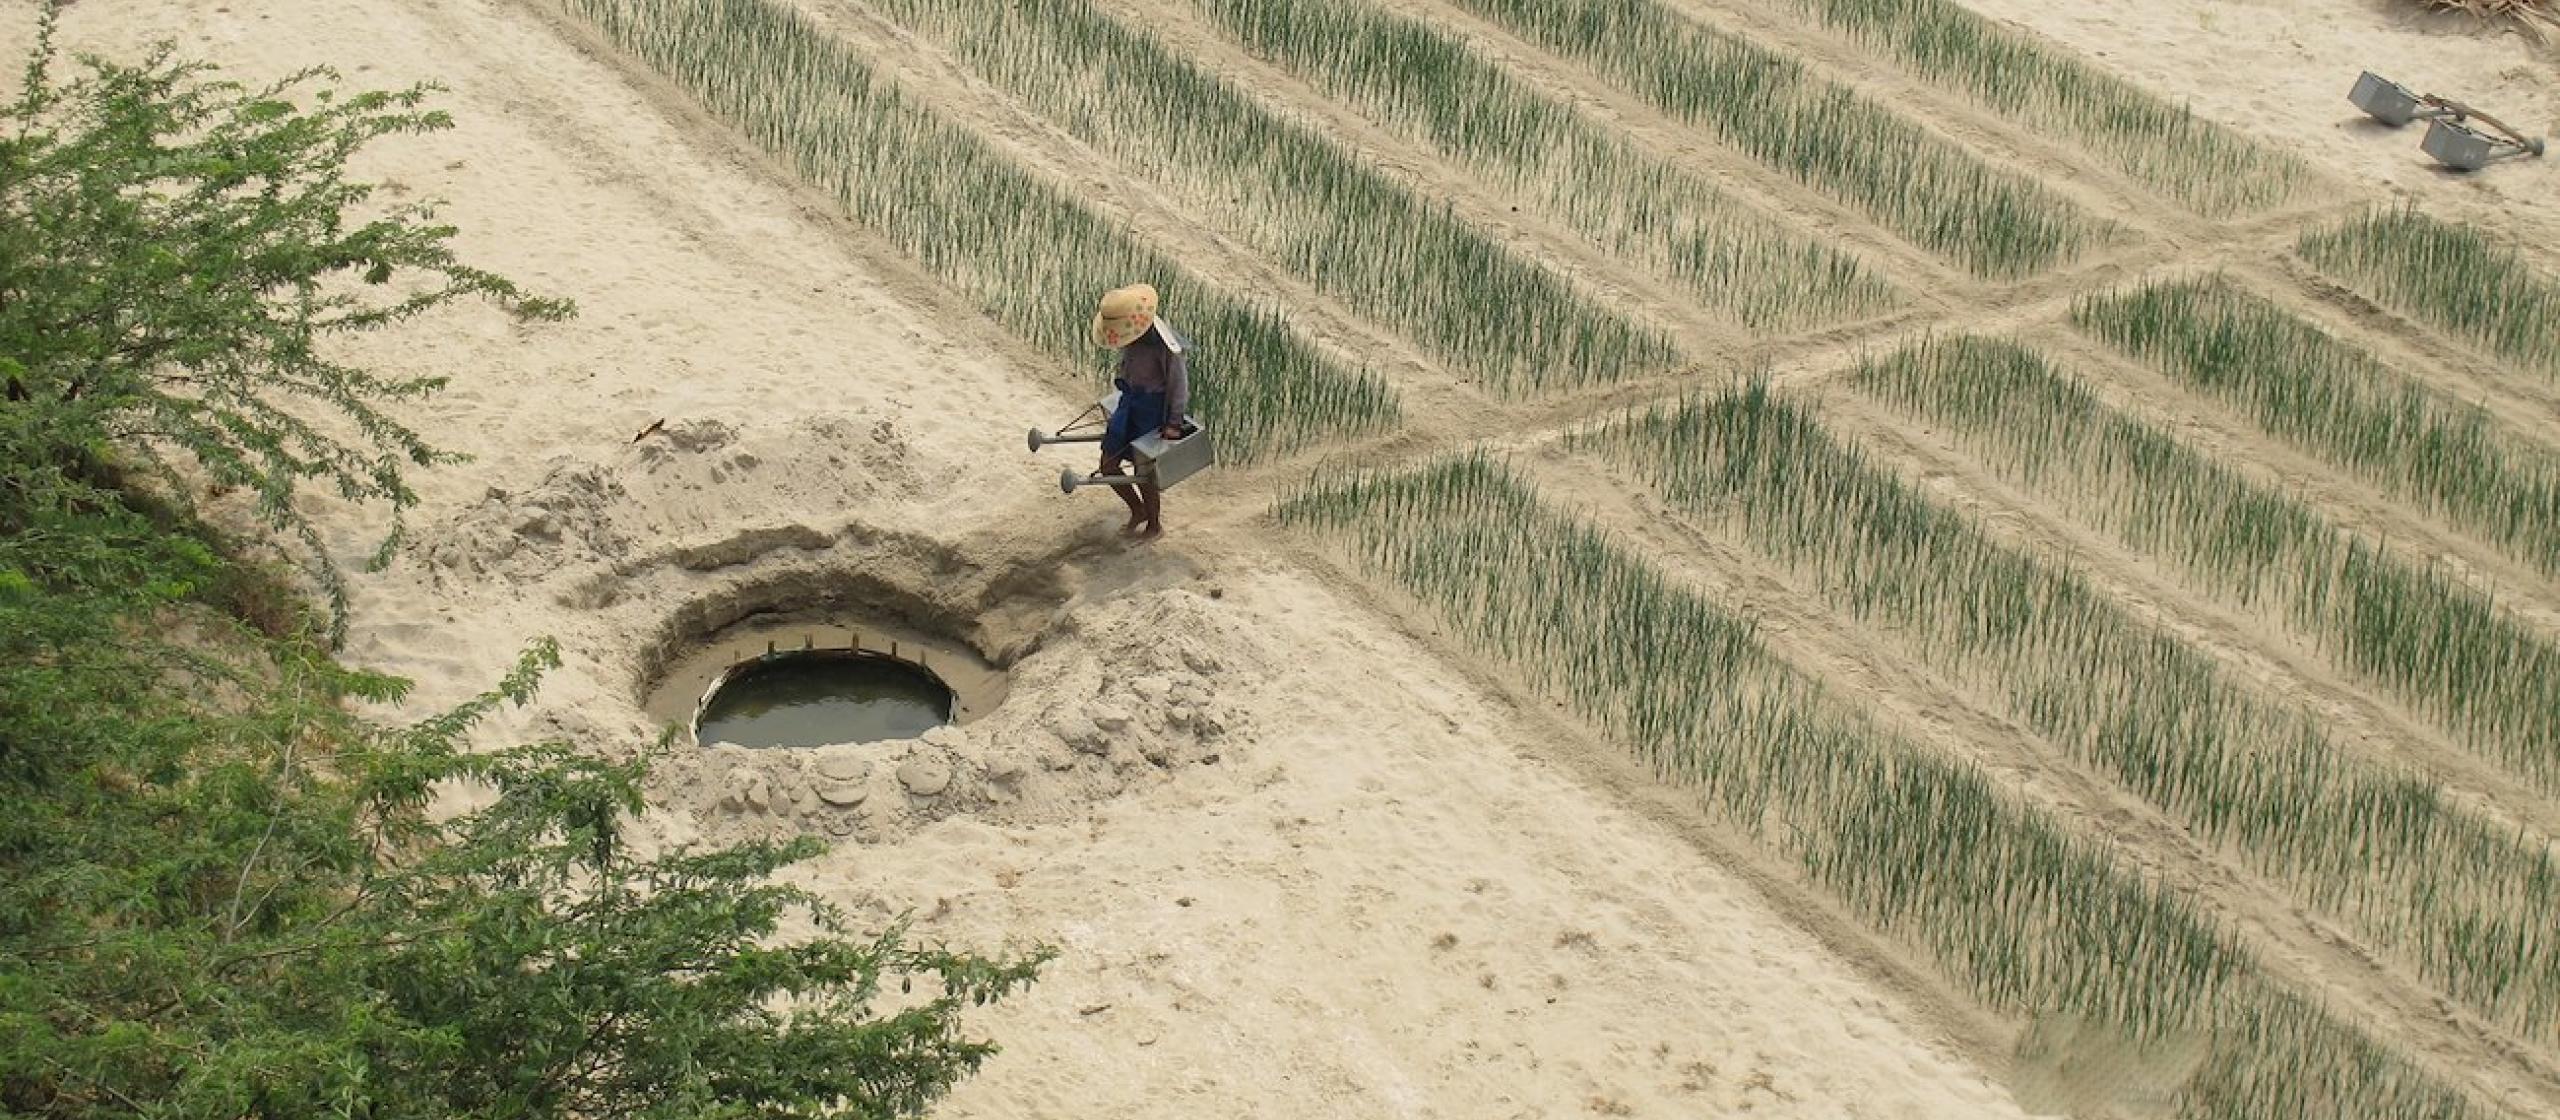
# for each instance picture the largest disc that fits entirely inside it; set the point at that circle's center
(2538, 18)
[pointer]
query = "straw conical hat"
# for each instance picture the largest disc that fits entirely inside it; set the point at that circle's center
(1126, 313)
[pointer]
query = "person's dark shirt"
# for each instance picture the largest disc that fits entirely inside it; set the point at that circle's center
(1149, 365)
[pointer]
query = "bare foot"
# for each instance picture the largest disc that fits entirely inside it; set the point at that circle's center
(1131, 529)
(1151, 532)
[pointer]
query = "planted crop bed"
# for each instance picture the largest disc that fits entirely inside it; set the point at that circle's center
(1436, 89)
(2451, 277)
(1305, 201)
(2372, 846)
(2030, 919)
(2447, 650)
(2315, 844)
(2335, 401)
(1927, 190)
(1030, 255)
(2209, 167)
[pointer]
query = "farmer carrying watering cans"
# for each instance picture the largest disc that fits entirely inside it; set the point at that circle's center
(1155, 389)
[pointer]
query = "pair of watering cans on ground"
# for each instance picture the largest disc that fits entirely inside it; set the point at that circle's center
(2458, 136)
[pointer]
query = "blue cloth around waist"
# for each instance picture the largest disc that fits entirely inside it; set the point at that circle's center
(1140, 412)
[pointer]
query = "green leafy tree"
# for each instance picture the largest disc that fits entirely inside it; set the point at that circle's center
(222, 894)
(176, 255)
(243, 909)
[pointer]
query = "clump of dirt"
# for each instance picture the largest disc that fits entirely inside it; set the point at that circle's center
(665, 443)
(679, 480)
(2074, 1066)
(526, 533)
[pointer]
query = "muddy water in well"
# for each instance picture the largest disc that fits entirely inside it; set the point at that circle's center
(814, 701)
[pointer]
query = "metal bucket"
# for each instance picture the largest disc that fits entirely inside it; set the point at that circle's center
(2458, 147)
(2384, 100)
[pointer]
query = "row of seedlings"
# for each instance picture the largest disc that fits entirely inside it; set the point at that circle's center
(2467, 903)
(2449, 275)
(2448, 650)
(2033, 919)
(1933, 193)
(2335, 401)
(1294, 194)
(1436, 89)
(2212, 169)
(1023, 248)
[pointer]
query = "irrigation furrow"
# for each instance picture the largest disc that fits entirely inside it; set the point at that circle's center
(1704, 333)
(2158, 149)
(1406, 85)
(2459, 280)
(1294, 194)
(2071, 171)
(1138, 206)
(2380, 731)
(2405, 342)
(2374, 846)
(1563, 737)
(1014, 241)
(1905, 682)
(2029, 918)
(1929, 190)
(2381, 453)
(1922, 276)
(2451, 654)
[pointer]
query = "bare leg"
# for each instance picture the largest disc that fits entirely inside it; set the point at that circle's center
(1151, 501)
(1128, 494)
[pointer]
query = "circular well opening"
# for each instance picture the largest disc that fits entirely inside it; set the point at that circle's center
(820, 680)
(818, 697)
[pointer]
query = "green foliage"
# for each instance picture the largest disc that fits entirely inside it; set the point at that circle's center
(222, 894)
(544, 971)
(2450, 651)
(1437, 88)
(1306, 201)
(2339, 403)
(2451, 276)
(1931, 192)
(2032, 919)
(2213, 169)
(1020, 245)
(178, 253)
(2370, 844)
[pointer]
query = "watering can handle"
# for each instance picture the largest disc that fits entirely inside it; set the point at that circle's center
(2462, 111)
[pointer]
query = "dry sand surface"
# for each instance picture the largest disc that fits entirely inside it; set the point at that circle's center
(2280, 70)
(1299, 861)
